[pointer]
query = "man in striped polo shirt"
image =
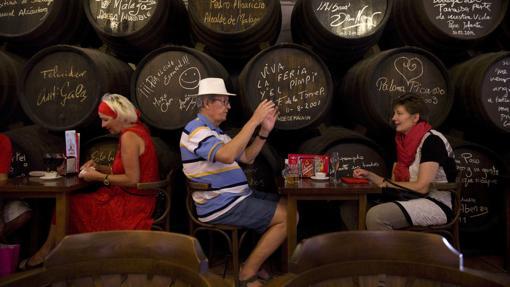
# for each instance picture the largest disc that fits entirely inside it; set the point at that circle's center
(210, 156)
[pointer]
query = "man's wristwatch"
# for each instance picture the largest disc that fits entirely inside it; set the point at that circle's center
(106, 181)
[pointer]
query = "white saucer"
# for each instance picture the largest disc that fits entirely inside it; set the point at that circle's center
(319, 178)
(50, 177)
(37, 173)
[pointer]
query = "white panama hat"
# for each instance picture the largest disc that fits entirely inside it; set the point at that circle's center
(212, 86)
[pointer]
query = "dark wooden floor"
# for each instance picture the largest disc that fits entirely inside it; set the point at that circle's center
(492, 264)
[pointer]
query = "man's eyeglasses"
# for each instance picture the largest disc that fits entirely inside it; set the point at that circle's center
(225, 102)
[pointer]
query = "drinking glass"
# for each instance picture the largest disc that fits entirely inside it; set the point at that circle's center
(52, 160)
(334, 164)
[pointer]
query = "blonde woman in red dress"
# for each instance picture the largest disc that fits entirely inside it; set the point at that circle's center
(118, 204)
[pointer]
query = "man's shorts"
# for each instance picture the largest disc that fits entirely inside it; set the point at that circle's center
(254, 212)
(13, 209)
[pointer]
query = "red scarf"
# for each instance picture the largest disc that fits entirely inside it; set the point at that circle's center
(407, 144)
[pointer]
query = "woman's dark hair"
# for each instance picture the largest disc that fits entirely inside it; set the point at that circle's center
(414, 105)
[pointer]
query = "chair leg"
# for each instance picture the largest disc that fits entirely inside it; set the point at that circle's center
(455, 233)
(235, 256)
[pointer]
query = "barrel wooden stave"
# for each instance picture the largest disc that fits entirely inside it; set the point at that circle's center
(61, 86)
(10, 69)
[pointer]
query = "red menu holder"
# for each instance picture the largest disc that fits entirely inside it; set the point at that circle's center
(354, 180)
(307, 163)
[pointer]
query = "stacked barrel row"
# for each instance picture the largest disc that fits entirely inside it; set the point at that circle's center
(333, 73)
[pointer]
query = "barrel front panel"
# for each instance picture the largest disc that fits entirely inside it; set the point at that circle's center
(165, 87)
(59, 90)
(403, 73)
(229, 16)
(480, 173)
(494, 94)
(102, 150)
(350, 19)
(464, 19)
(357, 155)
(122, 17)
(298, 82)
(20, 17)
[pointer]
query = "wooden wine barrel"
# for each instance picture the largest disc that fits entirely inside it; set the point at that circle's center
(233, 30)
(263, 173)
(102, 150)
(10, 70)
(505, 31)
(354, 149)
(370, 87)
(482, 203)
(132, 29)
(447, 26)
(29, 144)
(292, 76)
(481, 92)
(38, 24)
(62, 85)
(165, 81)
(340, 31)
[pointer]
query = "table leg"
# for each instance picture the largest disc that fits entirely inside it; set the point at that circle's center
(291, 226)
(362, 211)
(61, 215)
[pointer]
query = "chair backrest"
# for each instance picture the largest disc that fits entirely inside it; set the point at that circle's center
(377, 273)
(191, 187)
(141, 258)
(348, 246)
(163, 188)
(456, 189)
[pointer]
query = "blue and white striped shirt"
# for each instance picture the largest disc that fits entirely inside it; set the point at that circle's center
(200, 141)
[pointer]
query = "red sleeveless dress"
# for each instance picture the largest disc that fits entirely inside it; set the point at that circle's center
(116, 207)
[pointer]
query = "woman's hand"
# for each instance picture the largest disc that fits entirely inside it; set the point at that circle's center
(363, 173)
(90, 174)
(88, 164)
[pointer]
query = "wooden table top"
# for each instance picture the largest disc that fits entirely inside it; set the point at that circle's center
(34, 184)
(307, 186)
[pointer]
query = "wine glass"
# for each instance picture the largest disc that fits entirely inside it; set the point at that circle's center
(334, 164)
(52, 160)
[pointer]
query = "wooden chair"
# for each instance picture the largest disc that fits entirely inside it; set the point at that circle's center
(122, 258)
(395, 245)
(450, 229)
(232, 234)
(376, 273)
(164, 191)
(378, 258)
